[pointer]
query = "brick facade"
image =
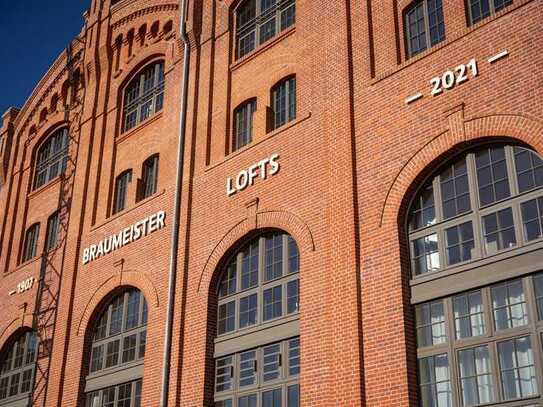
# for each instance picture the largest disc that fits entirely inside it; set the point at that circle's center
(350, 164)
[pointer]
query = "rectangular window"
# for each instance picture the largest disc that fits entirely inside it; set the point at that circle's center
(529, 168)
(51, 237)
(97, 358)
(31, 242)
(112, 353)
(129, 348)
(149, 177)
(273, 304)
(416, 29)
(224, 374)
(247, 369)
(425, 255)
(248, 310)
(117, 310)
(248, 401)
(455, 189)
(430, 319)
(26, 383)
(509, 305)
(249, 267)
(423, 210)
(469, 317)
(293, 396)
(460, 243)
(538, 288)
(14, 384)
(435, 382)
(243, 120)
(517, 368)
(227, 317)
(294, 357)
(532, 219)
(271, 398)
(121, 190)
(476, 376)
(133, 308)
(499, 231)
(284, 102)
(293, 294)
(436, 21)
(293, 256)
(274, 257)
(125, 395)
(143, 342)
(492, 176)
(272, 362)
(228, 282)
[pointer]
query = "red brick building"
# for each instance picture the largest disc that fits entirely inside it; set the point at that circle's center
(356, 218)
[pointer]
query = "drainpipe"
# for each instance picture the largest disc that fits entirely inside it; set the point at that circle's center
(174, 242)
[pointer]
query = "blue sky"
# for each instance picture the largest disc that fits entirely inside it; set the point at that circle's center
(33, 34)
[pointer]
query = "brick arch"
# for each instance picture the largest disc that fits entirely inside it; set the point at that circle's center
(283, 220)
(11, 329)
(522, 128)
(120, 279)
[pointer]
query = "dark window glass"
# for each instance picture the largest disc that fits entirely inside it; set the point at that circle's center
(229, 280)
(509, 305)
(293, 256)
(227, 317)
(492, 176)
(460, 243)
(261, 19)
(476, 376)
(129, 348)
(224, 403)
(538, 283)
(249, 266)
(248, 309)
(293, 396)
(425, 255)
(273, 303)
(532, 218)
(435, 384)
(293, 304)
(517, 368)
(284, 102)
(424, 25)
(248, 401)
(52, 158)
(31, 242)
(271, 398)
(18, 366)
(112, 353)
(499, 231)
(274, 257)
(121, 190)
(423, 212)
(468, 315)
(529, 169)
(52, 231)
(243, 124)
(480, 9)
(294, 357)
(430, 319)
(272, 362)
(144, 95)
(149, 177)
(224, 374)
(97, 357)
(455, 189)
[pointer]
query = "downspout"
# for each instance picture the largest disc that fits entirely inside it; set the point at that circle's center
(174, 243)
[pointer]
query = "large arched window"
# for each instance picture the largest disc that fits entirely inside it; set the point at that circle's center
(52, 158)
(476, 238)
(257, 348)
(117, 351)
(144, 95)
(18, 365)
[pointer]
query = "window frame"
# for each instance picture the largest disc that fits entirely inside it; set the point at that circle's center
(248, 128)
(48, 160)
(427, 35)
(290, 88)
(491, 6)
(52, 232)
(491, 338)
(149, 177)
(120, 201)
(30, 246)
(255, 25)
(475, 215)
(153, 95)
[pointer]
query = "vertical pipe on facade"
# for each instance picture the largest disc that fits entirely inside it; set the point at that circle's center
(168, 331)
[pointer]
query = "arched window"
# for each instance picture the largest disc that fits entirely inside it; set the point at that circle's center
(121, 190)
(144, 95)
(18, 363)
(257, 347)
(52, 158)
(257, 21)
(243, 124)
(424, 25)
(480, 9)
(117, 350)
(476, 237)
(283, 98)
(149, 177)
(30, 248)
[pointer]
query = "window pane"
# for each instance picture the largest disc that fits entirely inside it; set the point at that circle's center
(247, 310)
(492, 177)
(249, 266)
(273, 303)
(455, 189)
(460, 243)
(509, 305)
(517, 368)
(228, 282)
(293, 396)
(274, 257)
(423, 209)
(227, 317)
(538, 288)
(435, 386)
(223, 374)
(272, 362)
(426, 254)
(499, 231)
(247, 369)
(468, 315)
(294, 357)
(293, 296)
(532, 218)
(476, 376)
(248, 401)
(430, 324)
(271, 398)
